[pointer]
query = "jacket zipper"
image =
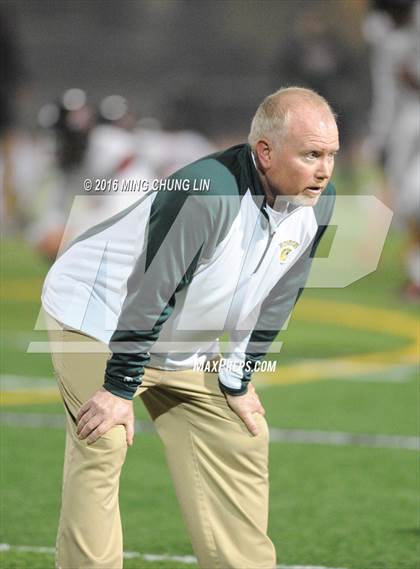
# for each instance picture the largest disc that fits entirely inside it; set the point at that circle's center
(270, 238)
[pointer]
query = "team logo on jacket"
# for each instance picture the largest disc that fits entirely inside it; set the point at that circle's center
(286, 247)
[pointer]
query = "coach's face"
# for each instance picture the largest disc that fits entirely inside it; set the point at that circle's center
(299, 165)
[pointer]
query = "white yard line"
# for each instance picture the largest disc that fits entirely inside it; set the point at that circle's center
(187, 559)
(337, 438)
(16, 382)
(294, 436)
(398, 373)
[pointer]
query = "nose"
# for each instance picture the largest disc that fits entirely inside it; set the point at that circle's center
(324, 169)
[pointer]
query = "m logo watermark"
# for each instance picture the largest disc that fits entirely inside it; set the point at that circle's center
(169, 261)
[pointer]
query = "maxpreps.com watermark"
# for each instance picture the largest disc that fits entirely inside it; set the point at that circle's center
(214, 366)
(141, 185)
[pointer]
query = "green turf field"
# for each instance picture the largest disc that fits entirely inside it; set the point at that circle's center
(348, 499)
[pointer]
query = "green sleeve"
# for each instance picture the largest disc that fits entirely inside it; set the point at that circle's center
(184, 227)
(278, 305)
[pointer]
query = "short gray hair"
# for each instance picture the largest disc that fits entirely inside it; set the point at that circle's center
(273, 114)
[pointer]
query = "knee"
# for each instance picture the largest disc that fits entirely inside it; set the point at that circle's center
(110, 449)
(263, 431)
(113, 441)
(249, 442)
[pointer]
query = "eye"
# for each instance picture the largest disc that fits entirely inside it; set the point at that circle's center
(313, 155)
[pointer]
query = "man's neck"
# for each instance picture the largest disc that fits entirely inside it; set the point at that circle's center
(273, 200)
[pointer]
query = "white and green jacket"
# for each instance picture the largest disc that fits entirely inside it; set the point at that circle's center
(161, 281)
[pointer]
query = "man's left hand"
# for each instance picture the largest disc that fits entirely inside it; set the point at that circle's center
(245, 406)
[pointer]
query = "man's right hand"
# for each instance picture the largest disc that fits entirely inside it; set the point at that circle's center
(245, 406)
(102, 412)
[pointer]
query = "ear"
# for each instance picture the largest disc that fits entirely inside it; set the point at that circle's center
(263, 153)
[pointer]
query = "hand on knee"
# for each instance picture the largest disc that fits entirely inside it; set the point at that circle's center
(102, 412)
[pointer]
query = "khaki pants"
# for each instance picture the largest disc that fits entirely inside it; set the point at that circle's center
(219, 470)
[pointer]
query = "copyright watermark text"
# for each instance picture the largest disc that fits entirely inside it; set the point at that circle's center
(110, 185)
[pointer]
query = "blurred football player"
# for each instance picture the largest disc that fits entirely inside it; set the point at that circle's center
(392, 29)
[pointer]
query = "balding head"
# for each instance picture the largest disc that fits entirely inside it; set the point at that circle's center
(294, 139)
(274, 114)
